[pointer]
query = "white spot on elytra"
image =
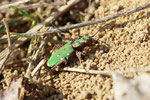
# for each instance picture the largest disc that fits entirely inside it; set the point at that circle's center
(61, 58)
(58, 55)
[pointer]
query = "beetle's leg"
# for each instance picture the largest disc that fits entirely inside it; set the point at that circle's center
(53, 67)
(95, 41)
(53, 49)
(79, 56)
(79, 33)
(63, 60)
(57, 46)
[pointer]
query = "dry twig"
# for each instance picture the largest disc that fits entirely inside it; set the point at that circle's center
(32, 6)
(13, 4)
(108, 72)
(110, 17)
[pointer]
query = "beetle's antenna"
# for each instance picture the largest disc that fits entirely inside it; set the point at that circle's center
(95, 33)
(57, 28)
(59, 35)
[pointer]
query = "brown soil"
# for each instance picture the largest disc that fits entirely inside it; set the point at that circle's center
(124, 45)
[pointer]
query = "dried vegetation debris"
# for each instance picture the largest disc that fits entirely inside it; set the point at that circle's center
(124, 44)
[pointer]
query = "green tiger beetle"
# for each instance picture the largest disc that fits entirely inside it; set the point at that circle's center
(63, 53)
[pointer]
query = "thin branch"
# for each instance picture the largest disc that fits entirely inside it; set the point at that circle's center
(32, 6)
(108, 72)
(66, 28)
(13, 4)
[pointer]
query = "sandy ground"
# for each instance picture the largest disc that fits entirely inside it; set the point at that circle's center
(127, 47)
(123, 45)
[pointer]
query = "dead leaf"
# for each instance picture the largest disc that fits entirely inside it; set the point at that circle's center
(131, 89)
(12, 93)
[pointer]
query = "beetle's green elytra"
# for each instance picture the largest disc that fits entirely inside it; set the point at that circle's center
(64, 52)
(60, 54)
(79, 42)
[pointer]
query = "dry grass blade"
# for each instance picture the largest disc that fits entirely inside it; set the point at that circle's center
(41, 63)
(8, 34)
(32, 6)
(3, 61)
(13, 4)
(110, 17)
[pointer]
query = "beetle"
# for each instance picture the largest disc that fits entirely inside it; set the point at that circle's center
(63, 53)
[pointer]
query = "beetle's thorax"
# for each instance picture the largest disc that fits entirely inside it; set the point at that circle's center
(82, 42)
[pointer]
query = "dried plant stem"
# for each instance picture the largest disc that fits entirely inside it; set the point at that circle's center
(8, 34)
(35, 55)
(29, 69)
(87, 71)
(108, 72)
(3, 61)
(35, 5)
(42, 62)
(65, 28)
(13, 4)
